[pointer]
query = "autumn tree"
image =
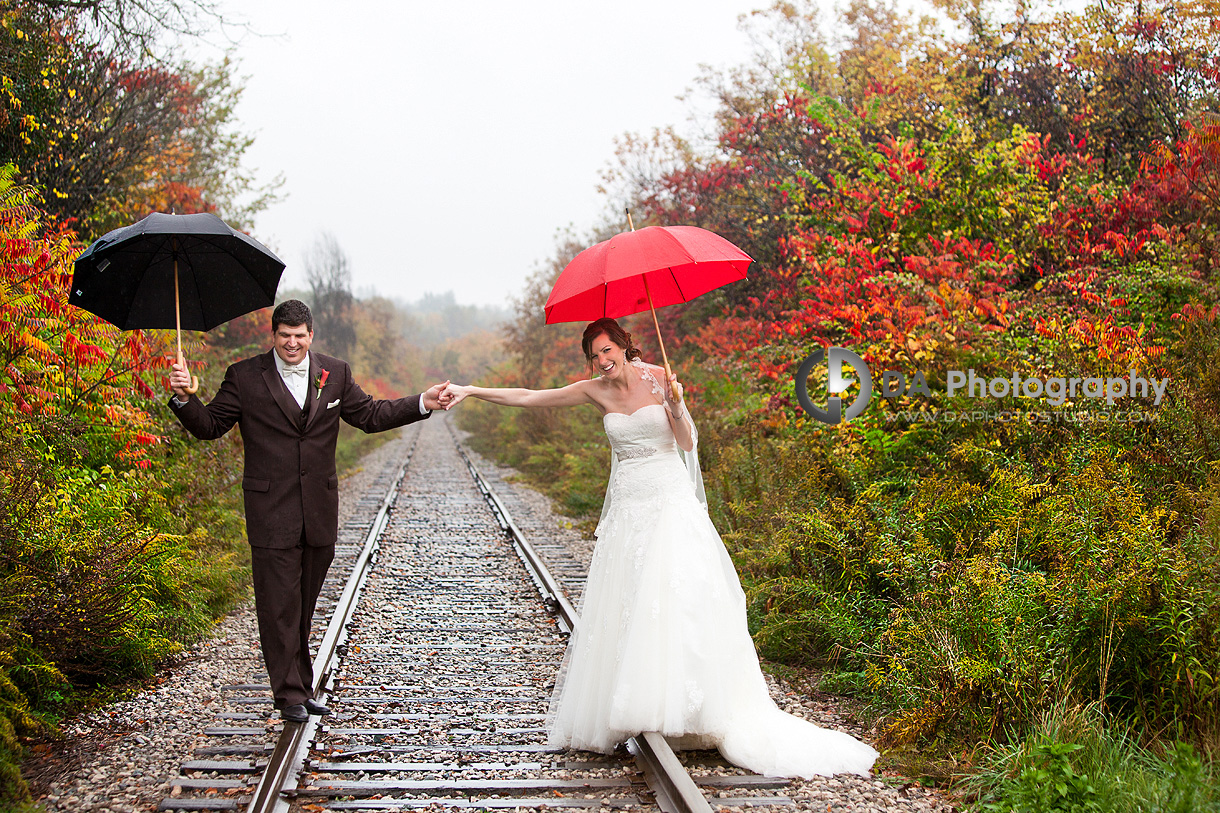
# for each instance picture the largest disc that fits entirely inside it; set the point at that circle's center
(385, 362)
(329, 275)
(110, 138)
(1125, 74)
(139, 28)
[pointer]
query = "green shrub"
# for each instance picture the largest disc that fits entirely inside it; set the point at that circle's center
(1051, 784)
(101, 574)
(1079, 758)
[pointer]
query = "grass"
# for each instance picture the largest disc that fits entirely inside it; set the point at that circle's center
(1079, 758)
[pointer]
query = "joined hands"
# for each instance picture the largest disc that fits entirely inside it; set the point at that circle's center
(453, 395)
(435, 397)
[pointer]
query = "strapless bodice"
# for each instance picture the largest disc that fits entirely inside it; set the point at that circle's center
(640, 434)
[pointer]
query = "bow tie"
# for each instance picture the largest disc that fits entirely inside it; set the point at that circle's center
(295, 369)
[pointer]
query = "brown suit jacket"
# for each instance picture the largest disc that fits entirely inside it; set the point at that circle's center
(289, 481)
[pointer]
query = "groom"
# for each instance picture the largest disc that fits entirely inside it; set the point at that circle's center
(288, 402)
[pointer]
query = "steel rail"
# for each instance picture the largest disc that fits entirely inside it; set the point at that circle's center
(285, 763)
(553, 595)
(669, 781)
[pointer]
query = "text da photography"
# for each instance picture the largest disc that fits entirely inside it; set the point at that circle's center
(1055, 391)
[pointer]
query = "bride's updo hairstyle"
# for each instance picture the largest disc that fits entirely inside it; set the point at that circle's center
(616, 334)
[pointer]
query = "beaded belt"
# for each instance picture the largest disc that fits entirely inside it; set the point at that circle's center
(633, 452)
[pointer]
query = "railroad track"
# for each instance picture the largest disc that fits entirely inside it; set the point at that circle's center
(438, 660)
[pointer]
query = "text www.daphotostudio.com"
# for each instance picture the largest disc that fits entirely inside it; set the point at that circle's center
(1076, 416)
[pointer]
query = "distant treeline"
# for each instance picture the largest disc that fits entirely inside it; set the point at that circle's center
(435, 319)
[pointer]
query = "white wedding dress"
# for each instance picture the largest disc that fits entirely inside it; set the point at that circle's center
(662, 643)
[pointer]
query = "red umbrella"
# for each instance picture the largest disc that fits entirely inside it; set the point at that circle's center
(644, 270)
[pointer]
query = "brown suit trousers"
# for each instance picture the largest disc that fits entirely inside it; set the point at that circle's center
(291, 491)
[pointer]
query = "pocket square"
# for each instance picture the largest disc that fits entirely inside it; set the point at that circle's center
(334, 403)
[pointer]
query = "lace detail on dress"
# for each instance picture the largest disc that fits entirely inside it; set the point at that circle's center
(647, 375)
(694, 697)
(665, 396)
(635, 452)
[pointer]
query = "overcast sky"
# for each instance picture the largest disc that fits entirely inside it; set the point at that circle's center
(443, 144)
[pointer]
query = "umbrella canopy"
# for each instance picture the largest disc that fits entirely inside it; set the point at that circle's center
(135, 277)
(635, 270)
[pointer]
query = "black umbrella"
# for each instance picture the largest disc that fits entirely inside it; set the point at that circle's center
(176, 271)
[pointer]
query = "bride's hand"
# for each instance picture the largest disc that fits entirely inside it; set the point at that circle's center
(673, 399)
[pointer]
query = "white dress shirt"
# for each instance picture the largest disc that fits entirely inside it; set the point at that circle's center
(297, 384)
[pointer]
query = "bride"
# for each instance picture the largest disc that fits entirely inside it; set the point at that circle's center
(662, 643)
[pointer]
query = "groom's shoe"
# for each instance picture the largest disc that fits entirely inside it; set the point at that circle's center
(295, 713)
(314, 707)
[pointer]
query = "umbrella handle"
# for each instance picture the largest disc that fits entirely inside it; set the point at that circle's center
(194, 387)
(673, 385)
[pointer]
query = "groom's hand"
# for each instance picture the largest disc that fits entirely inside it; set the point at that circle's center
(179, 380)
(432, 396)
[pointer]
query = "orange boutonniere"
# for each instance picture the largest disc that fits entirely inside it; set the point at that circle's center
(321, 382)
